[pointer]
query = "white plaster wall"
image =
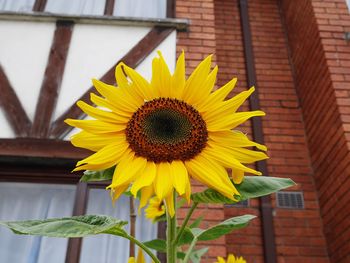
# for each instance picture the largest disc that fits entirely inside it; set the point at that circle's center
(5, 128)
(93, 51)
(24, 50)
(168, 49)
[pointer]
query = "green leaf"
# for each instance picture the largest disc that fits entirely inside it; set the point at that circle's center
(223, 228)
(95, 176)
(180, 255)
(196, 255)
(76, 226)
(156, 244)
(186, 237)
(196, 222)
(251, 187)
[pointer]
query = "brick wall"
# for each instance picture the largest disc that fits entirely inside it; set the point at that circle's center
(302, 84)
(321, 61)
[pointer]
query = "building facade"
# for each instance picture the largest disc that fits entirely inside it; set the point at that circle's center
(296, 53)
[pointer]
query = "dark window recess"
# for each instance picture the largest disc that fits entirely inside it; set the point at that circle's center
(244, 203)
(291, 200)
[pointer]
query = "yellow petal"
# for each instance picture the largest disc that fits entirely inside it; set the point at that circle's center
(169, 203)
(102, 115)
(231, 258)
(95, 126)
(234, 139)
(225, 158)
(202, 170)
(221, 260)
(111, 152)
(116, 192)
(115, 95)
(227, 107)
(217, 96)
(131, 260)
(108, 105)
(241, 154)
(146, 194)
(140, 257)
(142, 87)
(229, 122)
(179, 176)
(164, 76)
(237, 175)
(145, 179)
(162, 183)
(179, 77)
(129, 167)
(95, 142)
(192, 92)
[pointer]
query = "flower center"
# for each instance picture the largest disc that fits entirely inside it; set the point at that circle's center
(164, 130)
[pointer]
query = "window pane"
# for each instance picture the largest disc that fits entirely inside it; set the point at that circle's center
(140, 8)
(111, 249)
(16, 5)
(22, 201)
(76, 7)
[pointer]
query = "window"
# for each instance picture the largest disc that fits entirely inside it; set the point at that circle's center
(124, 8)
(26, 199)
(22, 201)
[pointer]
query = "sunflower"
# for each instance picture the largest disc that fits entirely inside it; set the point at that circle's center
(155, 208)
(231, 259)
(140, 258)
(163, 132)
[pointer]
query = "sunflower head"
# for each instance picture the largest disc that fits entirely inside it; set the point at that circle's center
(231, 259)
(140, 258)
(155, 209)
(161, 133)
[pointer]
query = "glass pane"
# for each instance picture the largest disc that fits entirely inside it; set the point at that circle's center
(140, 8)
(76, 7)
(111, 249)
(21, 201)
(17, 5)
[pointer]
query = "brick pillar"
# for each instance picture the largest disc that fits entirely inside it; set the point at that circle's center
(321, 61)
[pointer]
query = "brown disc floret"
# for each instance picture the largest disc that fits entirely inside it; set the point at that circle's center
(165, 129)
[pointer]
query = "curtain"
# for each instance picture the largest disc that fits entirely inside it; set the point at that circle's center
(22, 201)
(76, 7)
(111, 249)
(16, 5)
(140, 8)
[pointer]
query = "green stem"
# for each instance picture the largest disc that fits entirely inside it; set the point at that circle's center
(184, 224)
(170, 235)
(189, 251)
(146, 249)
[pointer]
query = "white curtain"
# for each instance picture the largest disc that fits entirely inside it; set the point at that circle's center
(22, 201)
(111, 249)
(140, 8)
(16, 5)
(76, 7)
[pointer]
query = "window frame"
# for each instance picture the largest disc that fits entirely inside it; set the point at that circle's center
(39, 6)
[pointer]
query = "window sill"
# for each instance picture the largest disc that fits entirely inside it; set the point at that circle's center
(179, 24)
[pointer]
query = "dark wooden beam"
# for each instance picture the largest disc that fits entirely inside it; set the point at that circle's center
(39, 5)
(170, 8)
(161, 235)
(74, 244)
(133, 58)
(52, 79)
(41, 148)
(109, 7)
(13, 108)
(268, 231)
